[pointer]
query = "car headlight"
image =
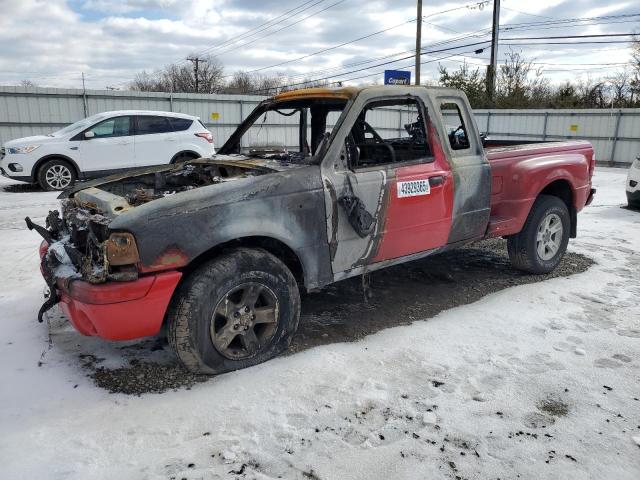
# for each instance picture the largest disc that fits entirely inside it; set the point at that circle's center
(121, 249)
(24, 149)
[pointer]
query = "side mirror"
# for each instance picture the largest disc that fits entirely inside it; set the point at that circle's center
(89, 134)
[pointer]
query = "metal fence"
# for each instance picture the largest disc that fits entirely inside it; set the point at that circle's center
(614, 133)
(25, 111)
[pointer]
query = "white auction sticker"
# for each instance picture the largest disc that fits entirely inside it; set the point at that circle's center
(414, 188)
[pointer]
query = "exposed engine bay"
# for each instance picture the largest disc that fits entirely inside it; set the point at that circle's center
(80, 243)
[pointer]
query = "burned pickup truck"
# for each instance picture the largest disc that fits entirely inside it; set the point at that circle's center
(315, 186)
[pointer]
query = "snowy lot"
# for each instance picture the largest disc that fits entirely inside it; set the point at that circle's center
(534, 381)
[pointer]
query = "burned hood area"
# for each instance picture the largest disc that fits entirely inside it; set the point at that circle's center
(123, 226)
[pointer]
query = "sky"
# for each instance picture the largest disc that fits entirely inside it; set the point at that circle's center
(52, 42)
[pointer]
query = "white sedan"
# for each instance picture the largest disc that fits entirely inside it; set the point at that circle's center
(105, 143)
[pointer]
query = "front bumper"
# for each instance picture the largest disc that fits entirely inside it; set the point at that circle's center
(11, 175)
(119, 310)
(116, 310)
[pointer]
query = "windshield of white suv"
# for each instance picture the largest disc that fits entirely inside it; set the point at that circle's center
(79, 125)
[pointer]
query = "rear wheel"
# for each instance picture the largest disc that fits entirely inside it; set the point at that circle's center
(56, 175)
(541, 244)
(235, 311)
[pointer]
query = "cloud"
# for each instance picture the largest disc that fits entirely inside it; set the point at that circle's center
(52, 41)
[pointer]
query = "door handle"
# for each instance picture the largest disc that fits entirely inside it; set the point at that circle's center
(436, 180)
(73, 148)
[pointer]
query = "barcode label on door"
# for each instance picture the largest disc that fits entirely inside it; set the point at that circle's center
(413, 188)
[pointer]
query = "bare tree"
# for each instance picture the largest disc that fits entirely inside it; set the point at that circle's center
(180, 78)
(471, 81)
(634, 81)
(621, 89)
(520, 84)
(27, 83)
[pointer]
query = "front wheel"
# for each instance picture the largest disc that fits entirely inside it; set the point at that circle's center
(235, 311)
(56, 175)
(542, 242)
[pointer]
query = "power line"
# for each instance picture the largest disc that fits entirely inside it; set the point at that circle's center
(467, 6)
(280, 29)
(474, 34)
(525, 13)
(327, 49)
(564, 37)
(372, 66)
(463, 46)
(265, 25)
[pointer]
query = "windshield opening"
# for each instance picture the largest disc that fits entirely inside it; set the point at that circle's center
(79, 125)
(291, 130)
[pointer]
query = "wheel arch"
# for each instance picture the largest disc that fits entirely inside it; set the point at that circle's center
(562, 189)
(54, 156)
(276, 247)
(189, 153)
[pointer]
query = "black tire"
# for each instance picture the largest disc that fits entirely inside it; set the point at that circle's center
(523, 247)
(193, 313)
(183, 157)
(56, 174)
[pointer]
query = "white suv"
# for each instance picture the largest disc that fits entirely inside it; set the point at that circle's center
(105, 143)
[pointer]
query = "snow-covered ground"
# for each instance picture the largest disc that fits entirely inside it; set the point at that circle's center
(536, 381)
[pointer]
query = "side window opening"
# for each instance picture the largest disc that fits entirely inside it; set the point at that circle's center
(113, 127)
(387, 132)
(148, 124)
(180, 124)
(455, 126)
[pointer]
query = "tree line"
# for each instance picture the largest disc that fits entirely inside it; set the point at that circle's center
(520, 83)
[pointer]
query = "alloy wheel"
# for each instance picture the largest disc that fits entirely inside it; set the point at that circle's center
(244, 320)
(58, 177)
(549, 236)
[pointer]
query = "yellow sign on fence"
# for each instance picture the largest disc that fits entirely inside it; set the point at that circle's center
(215, 116)
(573, 127)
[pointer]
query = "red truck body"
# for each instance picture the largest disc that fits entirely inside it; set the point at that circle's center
(520, 173)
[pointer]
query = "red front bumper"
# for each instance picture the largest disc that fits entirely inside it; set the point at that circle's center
(119, 310)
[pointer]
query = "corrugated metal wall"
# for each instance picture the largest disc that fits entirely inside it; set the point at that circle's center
(614, 133)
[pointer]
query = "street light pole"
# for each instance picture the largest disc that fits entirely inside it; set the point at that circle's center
(418, 40)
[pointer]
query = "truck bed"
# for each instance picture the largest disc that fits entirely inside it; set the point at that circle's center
(519, 173)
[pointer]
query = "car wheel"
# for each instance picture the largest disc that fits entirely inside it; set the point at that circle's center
(233, 312)
(183, 157)
(541, 244)
(56, 175)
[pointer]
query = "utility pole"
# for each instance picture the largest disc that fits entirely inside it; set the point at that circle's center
(492, 68)
(196, 63)
(85, 107)
(418, 40)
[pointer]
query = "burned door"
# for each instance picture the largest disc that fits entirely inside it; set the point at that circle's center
(470, 167)
(388, 188)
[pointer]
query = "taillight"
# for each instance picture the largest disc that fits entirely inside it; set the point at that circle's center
(206, 135)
